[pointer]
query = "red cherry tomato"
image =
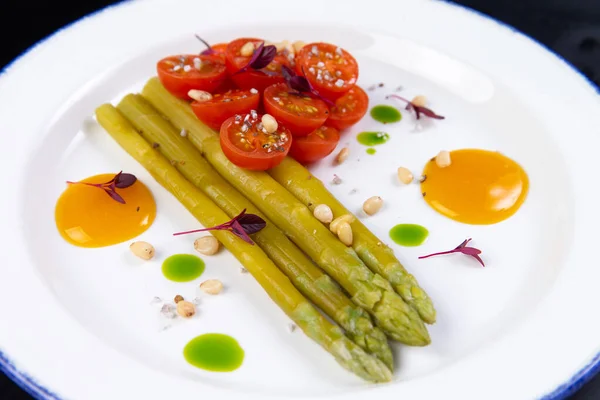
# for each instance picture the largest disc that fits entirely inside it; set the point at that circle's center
(224, 105)
(329, 69)
(245, 143)
(179, 74)
(318, 144)
(299, 113)
(348, 109)
(257, 79)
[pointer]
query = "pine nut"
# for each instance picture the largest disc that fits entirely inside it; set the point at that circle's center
(344, 232)
(143, 250)
(207, 245)
(323, 213)
(405, 176)
(212, 286)
(372, 205)
(247, 49)
(443, 159)
(342, 155)
(298, 45)
(333, 227)
(200, 95)
(178, 298)
(186, 309)
(269, 123)
(419, 101)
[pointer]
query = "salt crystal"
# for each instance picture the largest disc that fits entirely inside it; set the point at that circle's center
(183, 133)
(156, 300)
(292, 328)
(197, 300)
(168, 311)
(336, 180)
(243, 270)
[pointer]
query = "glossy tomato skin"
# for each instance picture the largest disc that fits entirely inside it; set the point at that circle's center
(174, 77)
(224, 105)
(348, 109)
(299, 113)
(317, 145)
(331, 70)
(251, 148)
(257, 79)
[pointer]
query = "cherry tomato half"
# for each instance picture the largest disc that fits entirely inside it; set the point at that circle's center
(299, 113)
(179, 74)
(348, 109)
(246, 144)
(329, 69)
(318, 144)
(224, 105)
(258, 79)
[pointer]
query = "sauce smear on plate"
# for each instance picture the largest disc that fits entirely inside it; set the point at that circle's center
(88, 217)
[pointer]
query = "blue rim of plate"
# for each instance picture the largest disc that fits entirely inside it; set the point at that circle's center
(38, 391)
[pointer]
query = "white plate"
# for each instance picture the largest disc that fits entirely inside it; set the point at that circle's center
(78, 322)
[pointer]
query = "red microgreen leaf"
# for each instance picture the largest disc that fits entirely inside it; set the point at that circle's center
(114, 195)
(123, 181)
(120, 181)
(262, 56)
(251, 223)
(241, 225)
(461, 248)
(301, 85)
(417, 109)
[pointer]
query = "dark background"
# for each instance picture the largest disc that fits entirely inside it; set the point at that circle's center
(569, 27)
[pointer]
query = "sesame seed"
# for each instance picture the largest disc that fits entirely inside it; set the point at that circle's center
(253, 91)
(339, 83)
(177, 68)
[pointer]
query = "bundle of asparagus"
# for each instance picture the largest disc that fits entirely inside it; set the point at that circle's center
(369, 290)
(273, 281)
(196, 171)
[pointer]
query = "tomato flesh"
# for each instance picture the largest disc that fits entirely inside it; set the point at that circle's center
(179, 74)
(246, 144)
(348, 109)
(258, 79)
(300, 113)
(224, 105)
(331, 70)
(318, 144)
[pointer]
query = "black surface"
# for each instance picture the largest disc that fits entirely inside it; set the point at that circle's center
(570, 27)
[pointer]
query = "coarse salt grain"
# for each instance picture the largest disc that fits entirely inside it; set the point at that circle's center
(197, 63)
(177, 68)
(253, 91)
(339, 83)
(183, 133)
(187, 68)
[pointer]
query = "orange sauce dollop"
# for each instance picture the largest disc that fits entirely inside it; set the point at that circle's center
(88, 217)
(479, 187)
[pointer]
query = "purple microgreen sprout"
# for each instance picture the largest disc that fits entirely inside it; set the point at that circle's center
(461, 248)
(209, 50)
(262, 56)
(119, 181)
(301, 85)
(417, 109)
(241, 226)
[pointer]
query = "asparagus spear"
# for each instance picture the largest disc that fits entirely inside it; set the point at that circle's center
(309, 279)
(370, 291)
(378, 257)
(277, 286)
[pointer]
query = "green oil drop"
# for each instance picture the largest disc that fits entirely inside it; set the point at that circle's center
(214, 352)
(372, 138)
(182, 267)
(385, 114)
(371, 151)
(409, 235)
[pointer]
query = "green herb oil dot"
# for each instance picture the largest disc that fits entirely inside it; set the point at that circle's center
(372, 138)
(371, 151)
(385, 114)
(409, 235)
(182, 267)
(214, 352)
